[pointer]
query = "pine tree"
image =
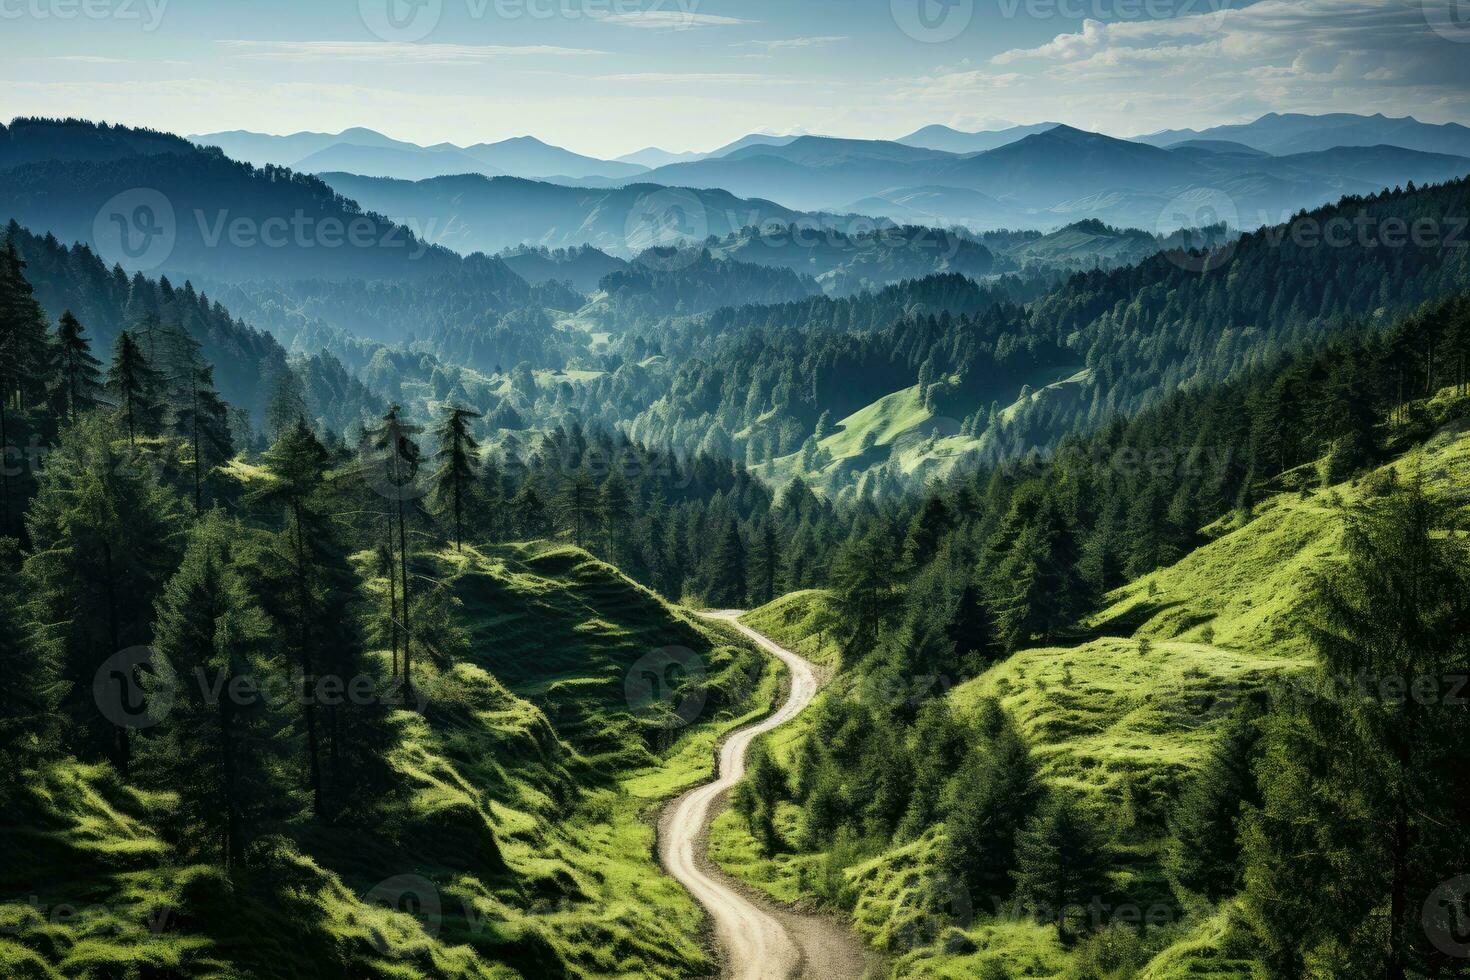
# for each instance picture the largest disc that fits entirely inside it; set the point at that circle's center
(80, 381)
(493, 497)
(104, 539)
(29, 689)
(1061, 864)
(529, 509)
(135, 387)
(1363, 793)
(615, 509)
(765, 562)
(577, 507)
(995, 793)
(392, 468)
(864, 583)
(1203, 854)
(215, 747)
(727, 587)
(455, 480)
(25, 366)
(297, 462)
(202, 418)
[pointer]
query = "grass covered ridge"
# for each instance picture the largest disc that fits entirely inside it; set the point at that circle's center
(522, 844)
(1124, 717)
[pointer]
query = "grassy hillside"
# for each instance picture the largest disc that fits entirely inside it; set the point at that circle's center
(522, 844)
(1125, 716)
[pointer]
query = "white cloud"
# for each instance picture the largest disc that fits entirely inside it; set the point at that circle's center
(670, 20)
(661, 76)
(793, 42)
(395, 51)
(1219, 66)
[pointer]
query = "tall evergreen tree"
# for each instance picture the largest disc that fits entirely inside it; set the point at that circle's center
(394, 472)
(29, 688)
(1203, 854)
(103, 534)
(25, 363)
(1061, 864)
(994, 794)
(201, 418)
(455, 480)
(615, 510)
(215, 747)
(79, 381)
(297, 462)
(864, 583)
(578, 506)
(1364, 792)
(135, 387)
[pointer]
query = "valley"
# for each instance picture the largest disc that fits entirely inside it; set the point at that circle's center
(727, 549)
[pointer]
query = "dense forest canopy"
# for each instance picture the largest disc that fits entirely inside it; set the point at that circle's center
(350, 612)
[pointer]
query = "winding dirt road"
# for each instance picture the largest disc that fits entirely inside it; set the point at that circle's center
(757, 940)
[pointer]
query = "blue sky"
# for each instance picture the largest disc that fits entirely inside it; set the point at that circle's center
(606, 77)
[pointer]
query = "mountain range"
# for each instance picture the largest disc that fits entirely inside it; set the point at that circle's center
(1284, 133)
(471, 212)
(1040, 176)
(1055, 176)
(367, 152)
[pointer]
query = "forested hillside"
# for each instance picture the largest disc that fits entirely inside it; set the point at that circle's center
(251, 726)
(363, 605)
(1086, 720)
(1010, 378)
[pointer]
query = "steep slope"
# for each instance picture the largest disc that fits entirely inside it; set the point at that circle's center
(194, 211)
(1123, 716)
(521, 848)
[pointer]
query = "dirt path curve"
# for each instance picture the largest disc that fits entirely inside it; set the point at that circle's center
(757, 941)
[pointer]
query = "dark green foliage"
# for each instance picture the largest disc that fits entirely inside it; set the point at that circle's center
(455, 480)
(864, 585)
(104, 538)
(1203, 856)
(25, 361)
(135, 387)
(1061, 865)
(213, 743)
(200, 416)
(995, 794)
(79, 382)
(578, 507)
(757, 797)
(29, 689)
(1363, 790)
